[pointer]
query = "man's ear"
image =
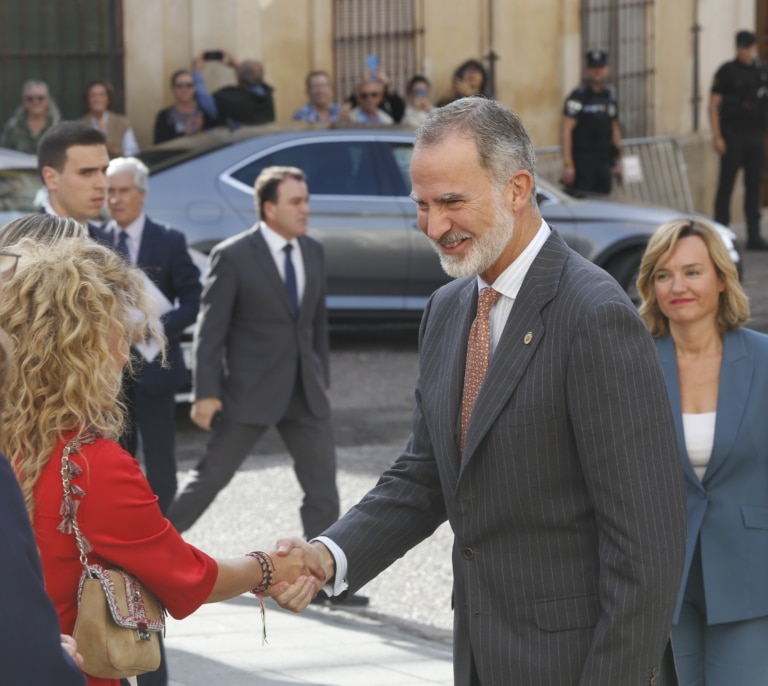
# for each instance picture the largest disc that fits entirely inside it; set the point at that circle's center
(518, 190)
(50, 177)
(268, 210)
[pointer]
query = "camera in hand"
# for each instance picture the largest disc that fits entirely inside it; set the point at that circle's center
(213, 55)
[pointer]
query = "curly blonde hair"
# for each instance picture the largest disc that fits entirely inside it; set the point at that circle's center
(71, 310)
(733, 309)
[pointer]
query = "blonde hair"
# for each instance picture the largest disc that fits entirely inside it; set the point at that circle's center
(733, 308)
(72, 305)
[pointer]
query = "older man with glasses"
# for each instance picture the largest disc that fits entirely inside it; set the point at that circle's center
(36, 114)
(369, 95)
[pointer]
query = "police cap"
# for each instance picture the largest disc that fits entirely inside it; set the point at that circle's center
(597, 58)
(745, 39)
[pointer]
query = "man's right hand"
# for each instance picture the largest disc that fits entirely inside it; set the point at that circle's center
(568, 175)
(203, 411)
(719, 144)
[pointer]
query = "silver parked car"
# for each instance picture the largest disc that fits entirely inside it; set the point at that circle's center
(379, 264)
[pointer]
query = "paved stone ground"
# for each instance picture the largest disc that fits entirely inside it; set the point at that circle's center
(372, 385)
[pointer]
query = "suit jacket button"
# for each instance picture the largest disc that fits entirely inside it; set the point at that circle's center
(655, 671)
(468, 553)
(654, 680)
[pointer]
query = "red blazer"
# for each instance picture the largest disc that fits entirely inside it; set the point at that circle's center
(120, 518)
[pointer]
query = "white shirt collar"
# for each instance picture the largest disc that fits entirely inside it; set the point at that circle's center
(509, 282)
(134, 230)
(46, 204)
(275, 241)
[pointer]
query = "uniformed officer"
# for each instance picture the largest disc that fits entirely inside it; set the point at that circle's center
(590, 136)
(738, 109)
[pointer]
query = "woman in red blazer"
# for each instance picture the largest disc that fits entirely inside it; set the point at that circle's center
(71, 312)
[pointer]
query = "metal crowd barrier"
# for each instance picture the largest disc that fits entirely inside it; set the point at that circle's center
(654, 172)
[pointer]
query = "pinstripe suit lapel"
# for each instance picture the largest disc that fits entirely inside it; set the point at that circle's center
(519, 341)
(457, 335)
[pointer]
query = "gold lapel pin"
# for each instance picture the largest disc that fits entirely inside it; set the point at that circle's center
(528, 338)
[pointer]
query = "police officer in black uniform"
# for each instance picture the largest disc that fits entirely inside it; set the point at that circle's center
(738, 109)
(590, 139)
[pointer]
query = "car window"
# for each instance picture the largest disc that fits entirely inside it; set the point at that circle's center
(332, 167)
(402, 152)
(18, 188)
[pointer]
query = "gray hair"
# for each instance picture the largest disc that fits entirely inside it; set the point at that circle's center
(130, 165)
(34, 83)
(503, 145)
(250, 72)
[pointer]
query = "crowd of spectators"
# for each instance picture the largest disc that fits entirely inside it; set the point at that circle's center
(374, 100)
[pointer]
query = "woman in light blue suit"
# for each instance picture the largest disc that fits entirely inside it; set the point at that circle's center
(717, 379)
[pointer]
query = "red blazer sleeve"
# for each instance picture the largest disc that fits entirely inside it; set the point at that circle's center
(120, 518)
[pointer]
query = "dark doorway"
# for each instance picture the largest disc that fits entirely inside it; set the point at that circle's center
(64, 43)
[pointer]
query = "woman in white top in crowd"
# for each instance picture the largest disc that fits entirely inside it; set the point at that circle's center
(716, 373)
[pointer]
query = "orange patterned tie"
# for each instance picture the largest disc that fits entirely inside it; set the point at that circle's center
(478, 354)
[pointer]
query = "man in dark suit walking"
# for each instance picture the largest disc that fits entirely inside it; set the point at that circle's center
(162, 254)
(541, 432)
(261, 355)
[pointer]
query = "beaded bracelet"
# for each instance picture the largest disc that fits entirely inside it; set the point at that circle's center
(267, 568)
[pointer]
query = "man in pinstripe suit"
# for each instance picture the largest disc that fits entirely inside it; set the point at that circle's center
(566, 500)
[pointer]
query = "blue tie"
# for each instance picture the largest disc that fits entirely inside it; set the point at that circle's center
(122, 244)
(290, 280)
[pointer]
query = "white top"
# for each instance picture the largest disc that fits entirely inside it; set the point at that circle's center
(699, 430)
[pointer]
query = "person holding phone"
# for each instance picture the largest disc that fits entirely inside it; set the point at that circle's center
(391, 103)
(250, 101)
(185, 117)
(369, 96)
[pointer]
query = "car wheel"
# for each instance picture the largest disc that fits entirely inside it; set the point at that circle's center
(624, 268)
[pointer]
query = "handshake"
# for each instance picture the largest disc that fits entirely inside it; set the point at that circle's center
(300, 570)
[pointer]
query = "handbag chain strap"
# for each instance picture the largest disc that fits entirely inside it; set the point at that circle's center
(69, 504)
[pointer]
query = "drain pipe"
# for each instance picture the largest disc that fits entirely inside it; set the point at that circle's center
(696, 98)
(491, 56)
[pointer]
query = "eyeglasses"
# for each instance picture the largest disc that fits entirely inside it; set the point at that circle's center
(34, 98)
(8, 262)
(370, 94)
(184, 84)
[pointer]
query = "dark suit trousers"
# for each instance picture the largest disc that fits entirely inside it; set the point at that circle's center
(744, 149)
(308, 439)
(153, 417)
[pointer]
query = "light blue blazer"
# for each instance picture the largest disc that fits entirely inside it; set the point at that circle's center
(728, 508)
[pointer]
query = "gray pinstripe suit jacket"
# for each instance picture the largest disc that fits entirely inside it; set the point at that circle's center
(568, 507)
